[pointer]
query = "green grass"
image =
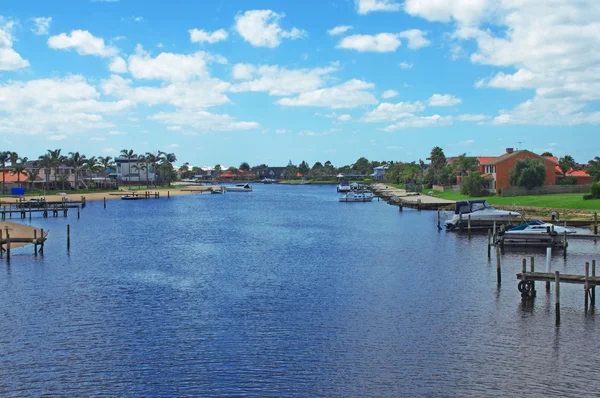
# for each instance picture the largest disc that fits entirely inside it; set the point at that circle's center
(557, 201)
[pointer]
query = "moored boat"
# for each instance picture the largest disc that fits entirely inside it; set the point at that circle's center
(130, 197)
(356, 197)
(480, 212)
(268, 181)
(343, 186)
(536, 232)
(242, 187)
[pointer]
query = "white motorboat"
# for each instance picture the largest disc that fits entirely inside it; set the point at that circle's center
(357, 197)
(480, 211)
(343, 186)
(243, 187)
(268, 181)
(536, 233)
(130, 197)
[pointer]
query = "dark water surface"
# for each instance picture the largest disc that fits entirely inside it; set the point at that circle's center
(282, 292)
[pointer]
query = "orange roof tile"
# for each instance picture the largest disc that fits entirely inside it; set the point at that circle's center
(486, 159)
(10, 177)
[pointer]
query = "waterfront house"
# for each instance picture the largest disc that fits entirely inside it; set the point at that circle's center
(497, 169)
(379, 172)
(134, 170)
(581, 176)
(62, 176)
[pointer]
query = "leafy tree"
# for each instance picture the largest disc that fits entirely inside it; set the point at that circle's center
(566, 163)
(437, 165)
(362, 166)
(106, 162)
(18, 169)
(594, 168)
(4, 158)
(217, 171)
(57, 159)
(32, 176)
(317, 166)
(167, 160)
(547, 154)
(290, 171)
(304, 168)
(528, 173)
(474, 185)
(245, 166)
(464, 165)
(596, 190)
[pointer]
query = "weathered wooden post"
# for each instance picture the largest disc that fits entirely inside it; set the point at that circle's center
(7, 246)
(587, 285)
(489, 244)
(498, 267)
(532, 270)
(596, 223)
(438, 220)
(565, 244)
(168, 194)
(35, 242)
(78, 212)
(399, 203)
(42, 242)
(593, 298)
(557, 297)
(419, 204)
(548, 258)
(105, 202)
(68, 237)
(494, 231)
(469, 225)
(1, 250)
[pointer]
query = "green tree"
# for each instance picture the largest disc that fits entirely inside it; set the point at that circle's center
(77, 162)
(362, 166)
(244, 166)
(566, 163)
(167, 165)
(128, 154)
(45, 162)
(57, 160)
(18, 169)
(474, 185)
(528, 173)
(4, 158)
(594, 168)
(464, 165)
(32, 176)
(547, 154)
(217, 171)
(304, 168)
(437, 166)
(106, 163)
(290, 171)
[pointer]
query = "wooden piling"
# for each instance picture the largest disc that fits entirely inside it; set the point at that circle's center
(68, 237)
(78, 212)
(586, 286)
(593, 298)
(35, 245)
(532, 270)
(42, 243)
(169, 195)
(419, 204)
(438, 220)
(7, 246)
(489, 244)
(105, 202)
(596, 223)
(557, 297)
(469, 225)
(565, 244)
(548, 258)
(498, 267)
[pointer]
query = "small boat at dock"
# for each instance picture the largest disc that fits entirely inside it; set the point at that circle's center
(242, 187)
(343, 186)
(268, 181)
(350, 197)
(481, 213)
(131, 197)
(536, 233)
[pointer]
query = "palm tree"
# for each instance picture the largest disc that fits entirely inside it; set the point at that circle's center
(32, 175)
(92, 165)
(153, 159)
(129, 154)
(76, 161)
(4, 157)
(57, 159)
(139, 167)
(18, 169)
(147, 163)
(167, 162)
(106, 163)
(46, 164)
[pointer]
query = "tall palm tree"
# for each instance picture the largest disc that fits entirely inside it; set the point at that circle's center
(92, 165)
(13, 158)
(147, 163)
(57, 159)
(18, 169)
(106, 162)
(153, 159)
(77, 162)
(139, 167)
(167, 162)
(32, 176)
(4, 157)
(45, 162)
(129, 154)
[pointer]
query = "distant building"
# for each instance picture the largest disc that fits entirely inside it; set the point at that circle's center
(379, 172)
(63, 176)
(275, 173)
(133, 170)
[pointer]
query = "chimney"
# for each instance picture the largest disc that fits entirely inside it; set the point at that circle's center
(510, 150)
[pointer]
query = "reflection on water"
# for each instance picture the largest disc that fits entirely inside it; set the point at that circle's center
(282, 291)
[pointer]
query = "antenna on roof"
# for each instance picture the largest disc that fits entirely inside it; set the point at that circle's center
(519, 147)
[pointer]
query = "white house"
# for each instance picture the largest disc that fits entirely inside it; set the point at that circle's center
(379, 172)
(133, 170)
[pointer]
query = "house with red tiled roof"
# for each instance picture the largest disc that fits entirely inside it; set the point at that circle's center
(497, 169)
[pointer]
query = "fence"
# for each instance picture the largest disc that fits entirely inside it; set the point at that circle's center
(546, 190)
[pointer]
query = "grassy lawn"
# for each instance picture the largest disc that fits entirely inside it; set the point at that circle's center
(558, 201)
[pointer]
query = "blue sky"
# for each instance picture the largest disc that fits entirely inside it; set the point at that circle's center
(269, 81)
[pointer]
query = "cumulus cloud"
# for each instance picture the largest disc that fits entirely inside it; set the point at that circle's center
(344, 118)
(202, 36)
(170, 66)
(351, 94)
(381, 43)
(203, 120)
(83, 42)
(366, 6)
(471, 118)
(41, 25)
(9, 58)
(420, 122)
(416, 38)
(388, 112)
(118, 65)
(405, 65)
(443, 100)
(339, 30)
(261, 28)
(279, 81)
(463, 11)
(389, 94)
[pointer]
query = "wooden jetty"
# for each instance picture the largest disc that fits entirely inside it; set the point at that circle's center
(402, 198)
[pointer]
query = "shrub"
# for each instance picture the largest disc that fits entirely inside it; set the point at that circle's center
(588, 196)
(474, 185)
(566, 180)
(596, 190)
(528, 173)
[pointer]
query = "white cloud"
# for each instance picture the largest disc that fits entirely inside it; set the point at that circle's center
(382, 42)
(389, 94)
(116, 132)
(351, 94)
(41, 25)
(405, 65)
(243, 71)
(203, 120)
(282, 131)
(202, 36)
(463, 11)
(420, 122)
(344, 118)
(83, 42)
(169, 66)
(9, 58)
(174, 128)
(367, 6)
(388, 112)
(58, 137)
(416, 38)
(280, 81)
(172, 146)
(261, 28)
(339, 30)
(443, 100)
(194, 94)
(471, 118)
(467, 142)
(118, 65)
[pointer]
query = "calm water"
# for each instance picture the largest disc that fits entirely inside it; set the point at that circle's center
(282, 292)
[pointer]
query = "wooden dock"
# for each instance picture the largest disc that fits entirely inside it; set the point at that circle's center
(402, 198)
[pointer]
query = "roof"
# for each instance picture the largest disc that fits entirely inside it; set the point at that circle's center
(506, 156)
(486, 159)
(10, 177)
(572, 173)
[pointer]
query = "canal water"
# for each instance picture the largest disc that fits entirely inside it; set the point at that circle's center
(282, 292)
